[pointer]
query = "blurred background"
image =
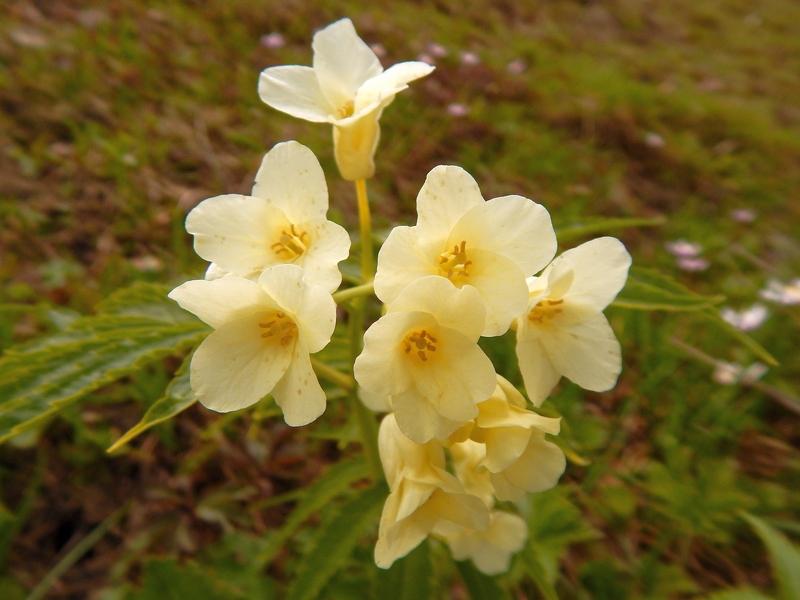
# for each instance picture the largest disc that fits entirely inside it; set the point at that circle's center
(118, 117)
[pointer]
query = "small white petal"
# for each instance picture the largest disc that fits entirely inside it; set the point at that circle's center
(511, 226)
(462, 309)
(382, 88)
(587, 353)
(236, 232)
(447, 194)
(311, 306)
(291, 178)
(342, 62)
(538, 372)
(294, 89)
(601, 269)
(400, 261)
(418, 419)
(538, 469)
(330, 244)
(298, 393)
(235, 367)
(222, 300)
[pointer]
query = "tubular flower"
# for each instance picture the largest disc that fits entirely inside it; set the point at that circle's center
(347, 87)
(283, 222)
(424, 354)
(424, 497)
(563, 330)
(263, 334)
(514, 453)
(467, 241)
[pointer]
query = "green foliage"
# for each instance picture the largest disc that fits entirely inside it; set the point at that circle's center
(177, 398)
(321, 493)
(134, 327)
(595, 226)
(785, 557)
(409, 578)
(333, 543)
(647, 289)
(478, 584)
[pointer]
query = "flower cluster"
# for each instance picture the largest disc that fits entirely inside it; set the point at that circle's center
(467, 269)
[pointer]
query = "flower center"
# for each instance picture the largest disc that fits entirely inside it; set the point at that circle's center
(454, 264)
(421, 342)
(346, 110)
(545, 309)
(291, 244)
(279, 327)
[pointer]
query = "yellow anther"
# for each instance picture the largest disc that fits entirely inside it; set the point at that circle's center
(422, 341)
(346, 110)
(454, 263)
(291, 244)
(545, 309)
(278, 324)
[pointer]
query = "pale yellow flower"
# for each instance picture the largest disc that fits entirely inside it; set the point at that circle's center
(346, 87)
(490, 549)
(263, 334)
(283, 222)
(424, 497)
(424, 355)
(469, 242)
(563, 330)
(507, 448)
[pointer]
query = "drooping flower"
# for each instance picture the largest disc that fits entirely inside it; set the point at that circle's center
(490, 549)
(347, 87)
(263, 334)
(283, 222)
(507, 447)
(748, 319)
(424, 497)
(469, 242)
(787, 294)
(424, 354)
(563, 330)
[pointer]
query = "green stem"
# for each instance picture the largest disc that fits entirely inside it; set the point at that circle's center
(367, 259)
(358, 291)
(327, 372)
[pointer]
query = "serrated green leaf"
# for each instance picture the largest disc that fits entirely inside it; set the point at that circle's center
(139, 325)
(319, 494)
(409, 578)
(647, 289)
(334, 541)
(784, 556)
(177, 398)
(480, 585)
(590, 227)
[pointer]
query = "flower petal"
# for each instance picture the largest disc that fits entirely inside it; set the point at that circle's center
(462, 310)
(354, 145)
(235, 367)
(601, 269)
(298, 393)
(342, 62)
(418, 419)
(447, 194)
(502, 285)
(221, 300)
(401, 261)
(380, 368)
(236, 232)
(310, 306)
(538, 372)
(538, 469)
(291, 178)
(382, 88)
(330, 244)
(587, 353)
(296, 91)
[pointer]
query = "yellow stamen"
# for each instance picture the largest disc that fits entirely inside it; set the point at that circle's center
(291, 244)
(421, 341)
(454, 264)
(279, 326)
(545, 309)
